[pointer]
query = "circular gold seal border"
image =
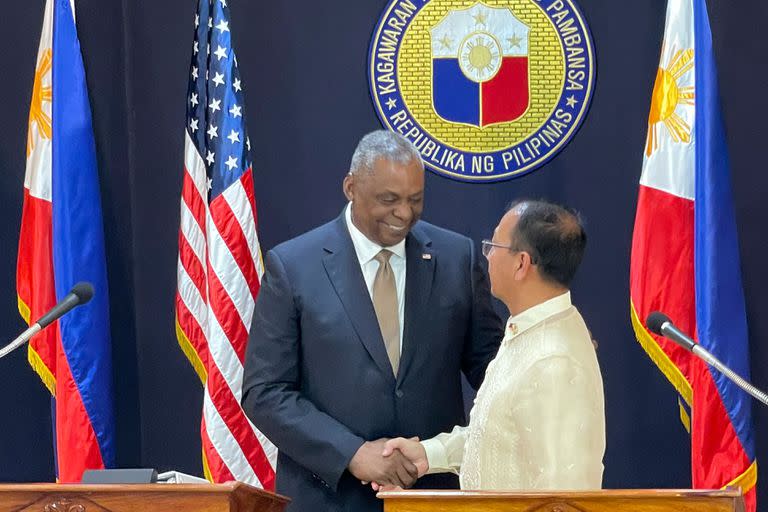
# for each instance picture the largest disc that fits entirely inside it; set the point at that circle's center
(384, 81)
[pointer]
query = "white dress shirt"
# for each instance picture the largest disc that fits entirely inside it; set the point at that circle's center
(366, 250)
(538, 421)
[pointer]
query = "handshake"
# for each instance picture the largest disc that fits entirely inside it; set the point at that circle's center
(389, 463)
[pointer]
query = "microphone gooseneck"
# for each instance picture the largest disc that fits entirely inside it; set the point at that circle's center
(81, 293)
(660, 324)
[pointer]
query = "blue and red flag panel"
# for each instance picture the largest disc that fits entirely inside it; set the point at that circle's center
(61, 243)
(685, 253)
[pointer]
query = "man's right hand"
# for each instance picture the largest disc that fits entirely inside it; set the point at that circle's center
(369, 465)
(412, 449)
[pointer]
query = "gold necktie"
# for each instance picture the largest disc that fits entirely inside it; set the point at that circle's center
(385, 304)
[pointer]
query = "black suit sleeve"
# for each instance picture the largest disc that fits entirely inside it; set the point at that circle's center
(485, 330)
(272, 398)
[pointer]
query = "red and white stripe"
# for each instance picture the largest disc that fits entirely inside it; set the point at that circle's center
(219, 272)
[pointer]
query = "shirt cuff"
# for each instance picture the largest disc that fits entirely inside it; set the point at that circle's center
(437, 457)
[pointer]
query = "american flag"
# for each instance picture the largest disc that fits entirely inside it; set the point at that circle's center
(220, 266)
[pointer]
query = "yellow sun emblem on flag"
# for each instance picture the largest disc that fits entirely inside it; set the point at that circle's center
(41, 94)
(668, 94)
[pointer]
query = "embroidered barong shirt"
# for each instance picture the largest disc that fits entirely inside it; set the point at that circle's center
(538, 421)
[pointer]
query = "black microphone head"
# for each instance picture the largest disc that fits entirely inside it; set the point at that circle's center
(655, 320)
(83, 291)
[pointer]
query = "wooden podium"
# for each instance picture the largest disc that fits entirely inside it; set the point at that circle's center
(667, 500)
(232, 497)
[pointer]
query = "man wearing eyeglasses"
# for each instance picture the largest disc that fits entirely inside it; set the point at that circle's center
(538, 421)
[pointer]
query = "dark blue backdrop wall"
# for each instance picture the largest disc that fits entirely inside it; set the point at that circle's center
(304, 68)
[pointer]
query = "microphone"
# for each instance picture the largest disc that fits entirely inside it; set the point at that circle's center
(660, 324)
(79, 294)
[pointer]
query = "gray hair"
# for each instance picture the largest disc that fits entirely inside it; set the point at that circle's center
(384, 144)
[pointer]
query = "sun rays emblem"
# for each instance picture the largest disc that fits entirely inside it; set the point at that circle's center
(670, 95)
(480, 57)
(41, 100)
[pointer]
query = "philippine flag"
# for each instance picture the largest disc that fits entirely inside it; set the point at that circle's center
(685, 254)
(480, 66)
(62, 242)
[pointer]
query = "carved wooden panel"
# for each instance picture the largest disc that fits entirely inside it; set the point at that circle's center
(63, 504)
(636, 500)
(555, 506)
(233, 497)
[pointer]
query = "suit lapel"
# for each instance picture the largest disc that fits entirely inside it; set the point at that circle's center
(343, 269)
(419, 274)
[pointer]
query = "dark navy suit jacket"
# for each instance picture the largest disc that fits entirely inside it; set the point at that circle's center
(317, 379)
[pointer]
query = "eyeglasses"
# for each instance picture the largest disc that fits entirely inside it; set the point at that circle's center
(488, 245)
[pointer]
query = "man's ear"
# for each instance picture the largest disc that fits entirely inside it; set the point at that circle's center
(346, 186)
(523, 265)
